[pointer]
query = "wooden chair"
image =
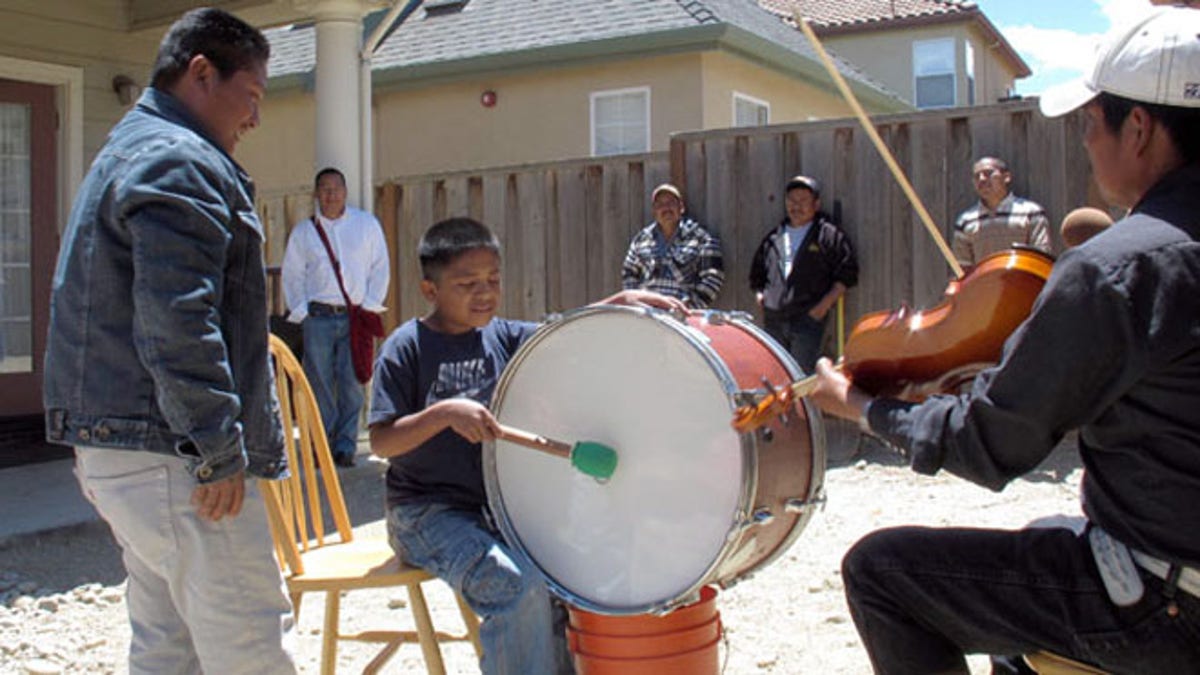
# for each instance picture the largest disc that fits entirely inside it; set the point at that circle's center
(314, 560)
(1045, 663)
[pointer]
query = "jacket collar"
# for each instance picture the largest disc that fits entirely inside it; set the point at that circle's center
(162, 104)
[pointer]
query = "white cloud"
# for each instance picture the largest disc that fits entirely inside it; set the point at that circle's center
(1060, 53)
(1048, 49)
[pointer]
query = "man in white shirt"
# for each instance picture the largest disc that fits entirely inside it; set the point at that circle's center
(315, 298)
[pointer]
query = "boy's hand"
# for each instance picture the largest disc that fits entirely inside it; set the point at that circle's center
(469, 419)
(640, 298)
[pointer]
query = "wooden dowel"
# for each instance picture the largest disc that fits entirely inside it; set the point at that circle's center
(536, 442)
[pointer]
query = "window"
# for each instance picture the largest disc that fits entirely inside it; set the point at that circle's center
(933, 73)
(749, 111)
(620, 121)
(970, 63)
(16, 332)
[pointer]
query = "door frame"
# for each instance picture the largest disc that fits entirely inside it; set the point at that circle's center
(57, 173)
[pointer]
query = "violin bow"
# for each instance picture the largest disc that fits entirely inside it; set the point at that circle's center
(884, 152)
(750, 417)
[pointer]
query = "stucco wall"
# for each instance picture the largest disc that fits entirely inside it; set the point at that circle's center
(887, 55)
(281, 152)
(791, 99)
(539, 115)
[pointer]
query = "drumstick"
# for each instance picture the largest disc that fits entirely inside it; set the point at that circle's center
(594, 459)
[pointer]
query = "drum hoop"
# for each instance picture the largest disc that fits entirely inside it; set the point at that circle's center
(816, 430)
(747, 442)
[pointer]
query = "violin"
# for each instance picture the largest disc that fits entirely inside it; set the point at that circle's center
(911, 354)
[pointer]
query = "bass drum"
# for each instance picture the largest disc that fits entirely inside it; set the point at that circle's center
(692, 502)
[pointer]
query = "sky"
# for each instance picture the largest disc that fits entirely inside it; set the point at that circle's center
(1056, 37)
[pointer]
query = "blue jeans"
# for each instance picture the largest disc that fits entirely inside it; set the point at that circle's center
(330, 371)
(800, 336)
(523, 631)
(922, 598)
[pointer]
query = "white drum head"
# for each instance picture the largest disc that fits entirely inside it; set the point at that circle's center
(646, 386)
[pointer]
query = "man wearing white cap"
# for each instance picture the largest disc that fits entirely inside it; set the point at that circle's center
(674, 255)
(1112, 348)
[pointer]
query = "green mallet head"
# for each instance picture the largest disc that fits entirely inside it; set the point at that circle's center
(594, 459)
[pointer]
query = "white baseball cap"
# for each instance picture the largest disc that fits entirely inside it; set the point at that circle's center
(1156, 60)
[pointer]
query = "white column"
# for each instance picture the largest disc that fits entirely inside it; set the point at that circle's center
(338, 140)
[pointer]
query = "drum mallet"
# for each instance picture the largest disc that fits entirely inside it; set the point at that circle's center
(594, 459)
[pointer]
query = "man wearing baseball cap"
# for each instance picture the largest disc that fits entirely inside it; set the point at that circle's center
(674, 255)
(801, 268)
(1112, 348)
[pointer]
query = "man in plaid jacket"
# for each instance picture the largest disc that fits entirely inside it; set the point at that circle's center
(674, 255)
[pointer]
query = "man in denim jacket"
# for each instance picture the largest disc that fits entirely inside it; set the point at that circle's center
(157, 366)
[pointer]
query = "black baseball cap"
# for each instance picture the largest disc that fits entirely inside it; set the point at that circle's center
(805, 182)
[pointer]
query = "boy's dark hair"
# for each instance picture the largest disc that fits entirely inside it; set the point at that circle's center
(228, 42)
(328, 171)
(445, 241)
(1182, 123)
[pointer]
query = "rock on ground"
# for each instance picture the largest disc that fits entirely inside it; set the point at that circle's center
(62, 607)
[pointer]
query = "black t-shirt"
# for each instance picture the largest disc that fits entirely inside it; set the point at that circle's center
(418, 367)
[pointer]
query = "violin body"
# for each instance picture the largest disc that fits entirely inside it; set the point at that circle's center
(911, 353)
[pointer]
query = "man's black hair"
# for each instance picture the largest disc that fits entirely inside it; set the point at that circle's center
(1183, 124)
(328, 171)
(447, 240)
(228, 42)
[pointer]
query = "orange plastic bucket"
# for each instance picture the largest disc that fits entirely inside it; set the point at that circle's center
(702, 661)
(689, 616)
(645, 646)
(683, 642)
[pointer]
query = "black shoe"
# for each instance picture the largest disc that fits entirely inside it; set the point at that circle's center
(344, 461)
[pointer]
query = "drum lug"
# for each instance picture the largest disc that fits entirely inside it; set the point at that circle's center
(762, 516)
(798, 505)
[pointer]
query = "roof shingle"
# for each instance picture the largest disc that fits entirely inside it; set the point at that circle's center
(825, 14)
(488, 28)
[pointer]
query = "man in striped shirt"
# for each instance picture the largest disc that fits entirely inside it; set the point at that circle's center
(1000, 218)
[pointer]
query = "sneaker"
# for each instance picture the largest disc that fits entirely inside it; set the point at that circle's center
(344, 461)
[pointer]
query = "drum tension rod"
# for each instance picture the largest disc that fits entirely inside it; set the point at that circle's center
(784, 419)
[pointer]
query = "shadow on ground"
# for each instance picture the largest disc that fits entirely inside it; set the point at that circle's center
(846, 445)
(61, 559)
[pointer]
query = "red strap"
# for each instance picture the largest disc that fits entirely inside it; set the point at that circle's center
(337, 267)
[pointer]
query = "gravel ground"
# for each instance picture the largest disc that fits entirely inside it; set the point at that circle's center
(62, 606)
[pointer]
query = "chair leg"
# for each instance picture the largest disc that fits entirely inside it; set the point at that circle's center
(296, 597)
(425, 633)
(330, 637)
(471, 621)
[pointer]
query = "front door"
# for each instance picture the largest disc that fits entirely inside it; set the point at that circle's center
(28, 240)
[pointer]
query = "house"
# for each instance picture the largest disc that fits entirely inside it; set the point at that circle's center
(485, 83)
(934, 53)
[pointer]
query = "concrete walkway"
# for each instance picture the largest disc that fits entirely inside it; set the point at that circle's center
(40, 497)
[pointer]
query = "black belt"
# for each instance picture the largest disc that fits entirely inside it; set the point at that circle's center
(325, 309)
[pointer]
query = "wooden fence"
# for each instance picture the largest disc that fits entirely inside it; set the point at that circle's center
(565, 226)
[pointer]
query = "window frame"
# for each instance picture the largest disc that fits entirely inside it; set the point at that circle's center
(739, 96)
(953, 72)
(594, 96)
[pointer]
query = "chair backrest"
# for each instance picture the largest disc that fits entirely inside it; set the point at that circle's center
(296, 504)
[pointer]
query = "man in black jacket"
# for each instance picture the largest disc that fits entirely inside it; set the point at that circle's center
(800, 270)
(1112, 348)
